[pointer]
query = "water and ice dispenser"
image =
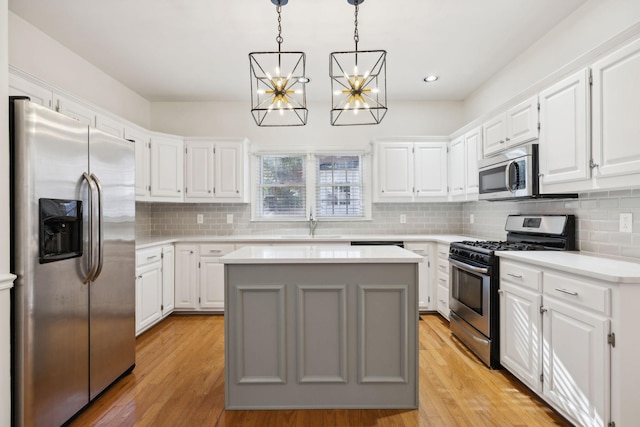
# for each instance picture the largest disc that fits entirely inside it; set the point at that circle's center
(60, 229)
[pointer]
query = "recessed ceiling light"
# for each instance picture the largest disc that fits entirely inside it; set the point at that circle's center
(304, 79)
(431, 78)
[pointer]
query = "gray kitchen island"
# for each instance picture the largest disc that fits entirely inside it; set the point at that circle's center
(321, 327)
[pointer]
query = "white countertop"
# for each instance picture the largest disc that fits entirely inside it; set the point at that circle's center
(440, 238)
(320, 255)
(606, 269)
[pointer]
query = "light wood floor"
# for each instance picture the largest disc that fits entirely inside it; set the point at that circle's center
(179, 381)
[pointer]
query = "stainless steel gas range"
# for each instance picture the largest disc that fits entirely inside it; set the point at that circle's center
(474, 300)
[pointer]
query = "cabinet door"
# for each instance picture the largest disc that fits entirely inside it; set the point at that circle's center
(142, 151)
(426, 291)
(522, 122)
(37, 94)
(110, 126)
(186, 277)
(211, 284)
(616, 109)
(473, 150)
(75, 110)
(521, 333)
(457, 166)
(166, 167)
(168, 280)
(495, 134)
(148, 295)
(576, 360)
(430, 169)
(199, 170)
(395, 170)
(229, 171)
(564, 130)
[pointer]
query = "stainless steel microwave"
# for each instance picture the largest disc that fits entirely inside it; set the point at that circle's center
(512, 174)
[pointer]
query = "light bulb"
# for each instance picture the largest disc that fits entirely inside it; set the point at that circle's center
(278, 71)
(260, 92)
(281, 112)
(375, 90)
(337, 92)
(268, 75)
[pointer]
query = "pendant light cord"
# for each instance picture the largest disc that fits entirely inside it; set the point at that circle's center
(279, 38)
(356, 37)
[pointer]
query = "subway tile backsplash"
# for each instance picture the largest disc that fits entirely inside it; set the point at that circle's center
(597, 216)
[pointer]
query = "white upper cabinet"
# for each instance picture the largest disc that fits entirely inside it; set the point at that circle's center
(430, 169)
(616, 114)
(457, 166)
(216, 170)
(473, 152)
(564, 147)
(408, 171)
(74, 109)
(463, 165)
(141, 139)
(36, 93)
(395, 170)
(198, 170)
(167, 164)
(517, 125)
(110, 126)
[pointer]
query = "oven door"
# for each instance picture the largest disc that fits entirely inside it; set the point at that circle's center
(470, 296)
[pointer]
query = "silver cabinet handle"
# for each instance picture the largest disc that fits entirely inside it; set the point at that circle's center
(100, 227)
(152, 257)
(93, 265)
(179, 191)
(517, 276)
(568, 292)
(418, 251)
(215, 251)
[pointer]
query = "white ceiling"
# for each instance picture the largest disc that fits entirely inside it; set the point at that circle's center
(197, 50)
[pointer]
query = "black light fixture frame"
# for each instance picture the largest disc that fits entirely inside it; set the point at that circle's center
(262, 103)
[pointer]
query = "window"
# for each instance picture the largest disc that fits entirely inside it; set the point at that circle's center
(338, 186)
(333, 189)
(282, 187)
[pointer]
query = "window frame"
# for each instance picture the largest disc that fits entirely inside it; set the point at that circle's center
(311, 178)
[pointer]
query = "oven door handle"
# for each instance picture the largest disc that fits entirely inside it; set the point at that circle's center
(462, 265)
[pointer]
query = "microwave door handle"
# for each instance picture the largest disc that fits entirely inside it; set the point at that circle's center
(507, 176)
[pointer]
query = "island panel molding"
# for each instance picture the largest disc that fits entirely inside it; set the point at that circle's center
(383, 341)
(322, 334)
(260, 316)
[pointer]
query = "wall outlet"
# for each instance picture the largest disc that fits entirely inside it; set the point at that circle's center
(200, 219)
(403, 219)
(626, 223)
(229, 218)
(472, 219)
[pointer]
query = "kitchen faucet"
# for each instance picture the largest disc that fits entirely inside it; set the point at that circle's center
(313, 223)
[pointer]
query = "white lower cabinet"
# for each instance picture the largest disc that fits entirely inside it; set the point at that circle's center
(200, 277)
(154, 286)
(554, 330)
(426, 290)
(442, 288)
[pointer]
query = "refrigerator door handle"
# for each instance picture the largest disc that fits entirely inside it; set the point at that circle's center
(93, 266)
(100, 228)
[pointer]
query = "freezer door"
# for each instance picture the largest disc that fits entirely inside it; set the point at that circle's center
(49, 156)
(112, 292)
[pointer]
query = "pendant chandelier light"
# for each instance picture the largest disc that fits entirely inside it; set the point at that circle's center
(278, 93)
(358, 83)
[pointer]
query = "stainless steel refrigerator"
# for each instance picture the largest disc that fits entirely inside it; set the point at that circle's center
(73, 243)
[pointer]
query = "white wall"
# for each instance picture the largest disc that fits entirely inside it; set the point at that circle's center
(594, 23)
(60, 67)
(5, 353)
(234, 119)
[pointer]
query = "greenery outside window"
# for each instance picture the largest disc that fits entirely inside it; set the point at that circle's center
(282, 187)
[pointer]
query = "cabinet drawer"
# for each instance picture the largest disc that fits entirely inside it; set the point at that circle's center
(148, 256)
(443, 251)
(578, 291)
(443, 266)
(217, 249)
(520, 274)
(419, 249)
